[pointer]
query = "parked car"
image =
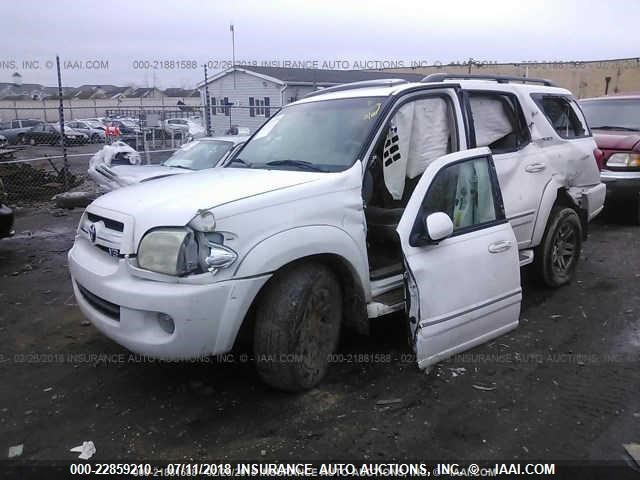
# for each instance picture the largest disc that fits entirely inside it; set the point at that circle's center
(338, 208)
(93, 131)
(14, 130)
(126, 127)
(6, 214)
(184, 126)
(111, 173)
(50, 133)
(615, 121)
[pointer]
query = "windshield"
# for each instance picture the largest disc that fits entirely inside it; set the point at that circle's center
(325, 135)
(199, 155)
(622, 113)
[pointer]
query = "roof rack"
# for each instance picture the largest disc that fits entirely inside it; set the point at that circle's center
(441, 77)
(383, 82)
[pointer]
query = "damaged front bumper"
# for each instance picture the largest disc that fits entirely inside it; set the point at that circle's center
(171, 321)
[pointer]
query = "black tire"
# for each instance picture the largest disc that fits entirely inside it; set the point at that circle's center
(557, 256)
(95, 138)
(297, 326)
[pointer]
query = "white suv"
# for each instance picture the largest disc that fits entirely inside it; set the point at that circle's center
(352, 203)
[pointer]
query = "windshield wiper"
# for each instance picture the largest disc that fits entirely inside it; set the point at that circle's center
(240, 161)
(615, 127)
(177, 166)
(295, 163)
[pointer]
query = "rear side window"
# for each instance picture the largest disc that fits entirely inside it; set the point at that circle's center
(498, 122)
(564, 115)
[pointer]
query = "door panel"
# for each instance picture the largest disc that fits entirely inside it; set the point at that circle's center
(464, 289)
(523, 176)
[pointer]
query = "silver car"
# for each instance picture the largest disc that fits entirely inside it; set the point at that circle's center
(120, 169)
(94, 130)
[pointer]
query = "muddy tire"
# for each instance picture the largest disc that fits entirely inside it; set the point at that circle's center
(297, 326)
(557, 256)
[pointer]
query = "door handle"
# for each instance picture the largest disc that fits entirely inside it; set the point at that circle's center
(500, 246)
(535, 167)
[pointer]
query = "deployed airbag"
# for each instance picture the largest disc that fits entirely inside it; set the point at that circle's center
(418, 134)
(490, 119)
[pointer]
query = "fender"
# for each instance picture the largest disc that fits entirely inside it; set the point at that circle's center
(347, 258)
(549, 199)
(290, 245)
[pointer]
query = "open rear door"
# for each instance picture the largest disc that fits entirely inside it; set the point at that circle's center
(462, 272)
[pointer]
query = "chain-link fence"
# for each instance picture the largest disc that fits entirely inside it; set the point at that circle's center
(40, 156)
(39, 159)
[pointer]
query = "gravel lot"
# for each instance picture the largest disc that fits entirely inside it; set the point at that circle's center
(564, 385)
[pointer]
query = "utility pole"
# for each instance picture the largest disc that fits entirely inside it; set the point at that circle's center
(207, 103)
(61, 120)
(233, 53)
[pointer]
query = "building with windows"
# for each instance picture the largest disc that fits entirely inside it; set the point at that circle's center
(246, 96)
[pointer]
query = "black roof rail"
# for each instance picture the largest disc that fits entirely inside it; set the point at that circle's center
(382, 82)
(441, 77)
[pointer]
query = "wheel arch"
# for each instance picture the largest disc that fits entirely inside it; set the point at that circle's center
(555, 195)
(334, 248)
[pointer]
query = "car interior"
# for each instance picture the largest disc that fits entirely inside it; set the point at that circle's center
(418, 133)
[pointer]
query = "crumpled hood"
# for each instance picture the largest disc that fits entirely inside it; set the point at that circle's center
(617, 141)
(130, 174)
(175, 200)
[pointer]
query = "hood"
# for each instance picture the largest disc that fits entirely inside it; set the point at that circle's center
(617, 140)
(130, 174)
(176, 200)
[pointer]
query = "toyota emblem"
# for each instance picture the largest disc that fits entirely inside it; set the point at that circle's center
(92, 232)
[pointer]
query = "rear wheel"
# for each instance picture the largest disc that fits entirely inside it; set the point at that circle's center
(297, 326)
(558, 254)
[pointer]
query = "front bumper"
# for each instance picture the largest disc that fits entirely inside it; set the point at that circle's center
(6, 221)
(126, 308)
(621, 184)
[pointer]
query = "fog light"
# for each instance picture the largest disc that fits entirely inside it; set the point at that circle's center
(166, 323)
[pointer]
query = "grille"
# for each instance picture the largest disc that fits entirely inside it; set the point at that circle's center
(109, 309)
(110, 224)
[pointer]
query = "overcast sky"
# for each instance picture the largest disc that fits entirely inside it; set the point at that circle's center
(126, 34)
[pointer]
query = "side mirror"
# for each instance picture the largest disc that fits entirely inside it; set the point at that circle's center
(438, 226)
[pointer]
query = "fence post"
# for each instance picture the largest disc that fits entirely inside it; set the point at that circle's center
(61, 120)
(207, 101)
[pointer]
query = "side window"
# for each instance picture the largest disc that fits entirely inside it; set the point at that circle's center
(15, 124)
(30, 123)
(498, 122)
(464, 191)
(564, 115)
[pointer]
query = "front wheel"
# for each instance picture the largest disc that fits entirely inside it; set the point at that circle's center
(297, 326)
(557, 256)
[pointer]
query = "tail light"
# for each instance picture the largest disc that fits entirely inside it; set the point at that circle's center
(599, 156)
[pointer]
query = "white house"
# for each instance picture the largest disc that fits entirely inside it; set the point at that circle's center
(246, 96)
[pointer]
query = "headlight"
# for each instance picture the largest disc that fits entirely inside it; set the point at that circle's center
(181, 251)
(172, 251)
(624, 160)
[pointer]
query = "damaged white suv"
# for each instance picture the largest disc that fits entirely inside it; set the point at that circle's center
(352, 203)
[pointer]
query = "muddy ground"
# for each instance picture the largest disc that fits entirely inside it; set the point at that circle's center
(564, 385)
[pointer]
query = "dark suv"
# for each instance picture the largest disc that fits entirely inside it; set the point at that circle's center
(615, 121)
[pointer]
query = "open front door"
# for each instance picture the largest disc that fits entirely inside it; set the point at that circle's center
(462, 268)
